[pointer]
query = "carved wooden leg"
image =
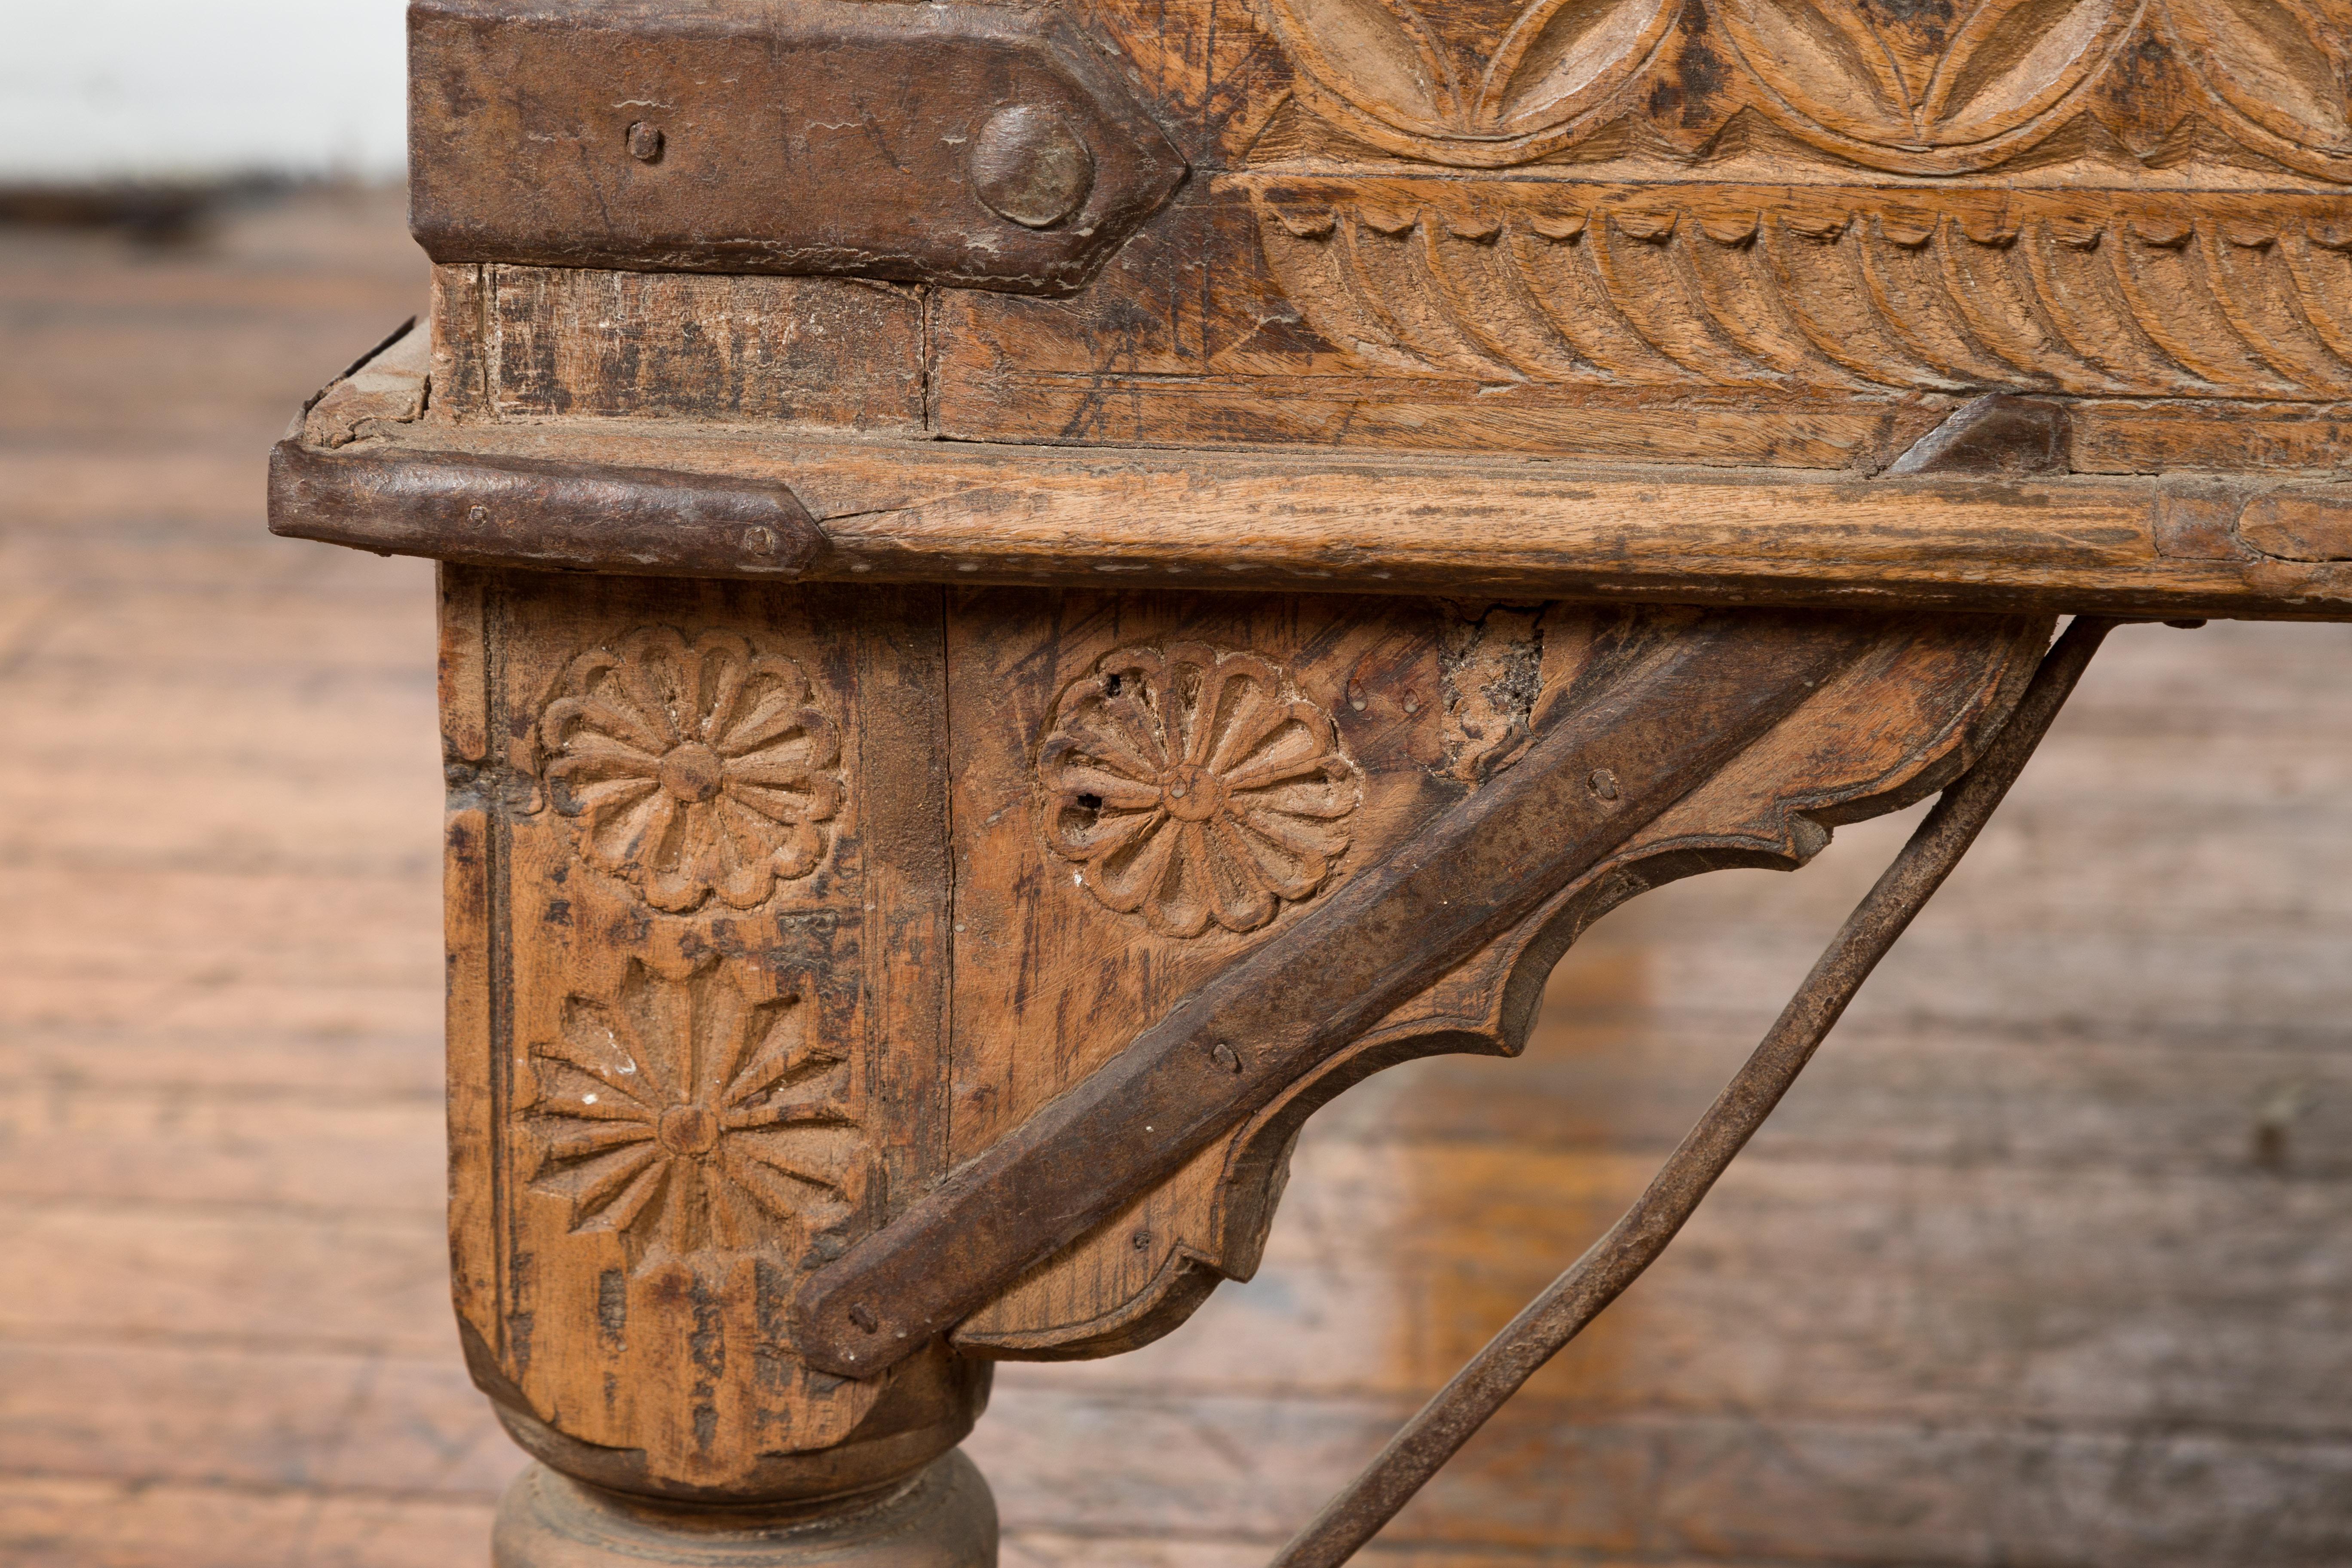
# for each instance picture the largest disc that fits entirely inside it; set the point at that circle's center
(1203, 860)
(697, 909)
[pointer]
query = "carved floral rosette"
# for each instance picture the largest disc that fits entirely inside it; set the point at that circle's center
(696, 1110)
(691, 1124)
(688, 1130)
(694, 768)
(2096, 197)
(1194, 788)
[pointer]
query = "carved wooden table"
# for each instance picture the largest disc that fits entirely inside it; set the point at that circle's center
(1030, 594)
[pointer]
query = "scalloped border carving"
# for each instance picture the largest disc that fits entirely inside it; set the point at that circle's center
(2091, 293)
(1840, 76)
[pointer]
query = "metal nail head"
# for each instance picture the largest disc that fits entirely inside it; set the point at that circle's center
(1029, 166)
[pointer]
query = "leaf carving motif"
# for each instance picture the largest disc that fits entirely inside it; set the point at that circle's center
(2272, 60)
(1857, 68)
(1380, 58)
(1927, 86)
(2012, 62)
(2071, 292)
(1560, 53)
(1382, 68)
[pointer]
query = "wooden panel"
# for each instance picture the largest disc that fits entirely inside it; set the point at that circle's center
(1703, 241)
(1614, 209)
(1058, 960)
(822, 352)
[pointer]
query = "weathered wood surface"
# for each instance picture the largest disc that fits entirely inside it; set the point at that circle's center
(1714, 271)
(699, 1029)
(928, 511)
(1704, 232)
(1530, 214)
(700, 848)
(1425, 713)
(2148, 518)
(223, 1038)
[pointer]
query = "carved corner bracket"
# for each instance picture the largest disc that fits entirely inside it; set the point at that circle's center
(1665, 743)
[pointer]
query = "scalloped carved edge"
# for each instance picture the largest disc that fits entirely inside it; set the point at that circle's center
(1487, 1006)
(2088, 293)
(2266, 74)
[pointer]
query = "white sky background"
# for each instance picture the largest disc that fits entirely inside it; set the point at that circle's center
(102, 90)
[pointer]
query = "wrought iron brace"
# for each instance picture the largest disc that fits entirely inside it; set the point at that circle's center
(1543, 1330)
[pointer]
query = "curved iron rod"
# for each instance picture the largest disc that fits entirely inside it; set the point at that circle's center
(1438, 1431)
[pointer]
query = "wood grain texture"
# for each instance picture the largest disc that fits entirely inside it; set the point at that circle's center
(1427, 706)
(1620, 231)
(2007, 1279)
(928, 511)
(1776, 229)
(716, 1016)
(810, 350)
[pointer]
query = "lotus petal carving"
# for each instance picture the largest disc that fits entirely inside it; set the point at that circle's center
(2281, 64)
(1947, 88)
(1391, 75)
(1925, 78)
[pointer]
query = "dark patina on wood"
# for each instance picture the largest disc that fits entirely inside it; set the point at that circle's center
(986, 146)
(514, 510)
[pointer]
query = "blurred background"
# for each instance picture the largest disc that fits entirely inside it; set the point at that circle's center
(2042, 1266)
(113, 91)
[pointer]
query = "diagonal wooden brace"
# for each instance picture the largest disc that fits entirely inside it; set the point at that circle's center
(1606, 767)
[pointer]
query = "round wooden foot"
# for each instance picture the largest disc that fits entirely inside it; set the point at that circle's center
(941, 1518)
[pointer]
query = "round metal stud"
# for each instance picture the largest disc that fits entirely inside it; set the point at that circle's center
(1029, 166)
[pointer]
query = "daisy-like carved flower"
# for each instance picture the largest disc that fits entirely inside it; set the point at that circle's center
(695, 1113)
(693, 768)
(1194, 786)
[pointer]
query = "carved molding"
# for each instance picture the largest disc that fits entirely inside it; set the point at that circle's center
(693, 769)
(1926, 89)
(1194, 787)
(2095, 293)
